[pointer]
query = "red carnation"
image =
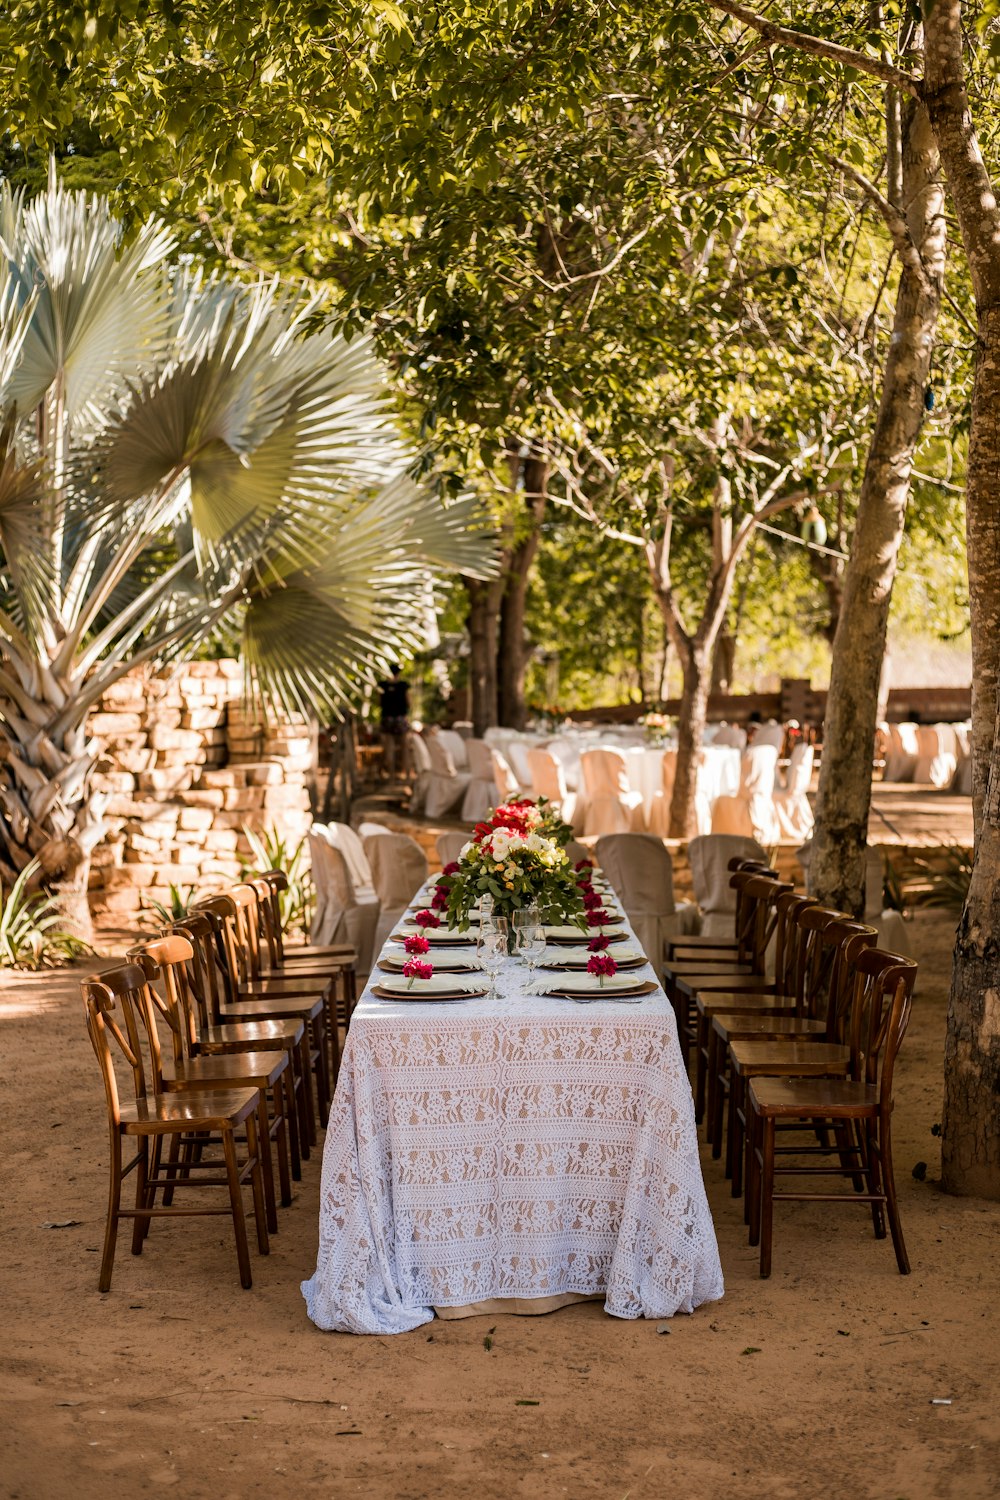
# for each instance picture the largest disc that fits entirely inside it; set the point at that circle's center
(592, 900)
(584, 864)
(597, 917)
(603, 965)
(414, 969)
(427, 918)
(599, 943)
(416, 945)
(451, 869)
(439, 900)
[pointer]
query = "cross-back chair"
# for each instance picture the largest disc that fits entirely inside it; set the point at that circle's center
(150, 1118)
(857, 1108)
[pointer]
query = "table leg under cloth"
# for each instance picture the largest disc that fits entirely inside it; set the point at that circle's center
(519, 1148)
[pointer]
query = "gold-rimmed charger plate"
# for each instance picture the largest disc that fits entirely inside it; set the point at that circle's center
(609, 991)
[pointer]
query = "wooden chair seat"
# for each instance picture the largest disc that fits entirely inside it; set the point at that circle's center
(249, 1069)
(834, 1098)
(214, 1110)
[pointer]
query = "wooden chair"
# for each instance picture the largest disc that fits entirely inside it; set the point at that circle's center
(760, 1046)
(276, 882)
(267, 1071)
(713, 946)
(755, 896)
(260, 1000)
(858, 1108)
(196, 988)
(153, 1117)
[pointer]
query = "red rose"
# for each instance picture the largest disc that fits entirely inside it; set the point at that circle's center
(451, 869)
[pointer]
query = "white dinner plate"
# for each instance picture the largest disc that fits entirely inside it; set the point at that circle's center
(456, 963)
(589, 987)
(438, 987)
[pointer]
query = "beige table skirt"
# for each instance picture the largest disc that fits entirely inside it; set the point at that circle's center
(522, 1307)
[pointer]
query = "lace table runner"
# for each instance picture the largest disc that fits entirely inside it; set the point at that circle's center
(521, 1147)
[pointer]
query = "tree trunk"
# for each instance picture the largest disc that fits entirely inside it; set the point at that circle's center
(513, 650)
(50, 811)
(971, 1125)
(482, 622)
(837, 862)
(723, 661)
(690, 735)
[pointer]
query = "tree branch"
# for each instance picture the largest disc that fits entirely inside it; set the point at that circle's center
(901, 238)
(801, 41)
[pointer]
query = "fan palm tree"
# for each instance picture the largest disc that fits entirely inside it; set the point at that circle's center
(179, 455)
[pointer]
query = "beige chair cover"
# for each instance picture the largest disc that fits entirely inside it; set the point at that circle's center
(611, 806)
(937, 755)
(641, 871)
(751, 812)
(450, 846)
(503, 777)
(341, 914)
(575, 851)
(548, 780)
(399, 869)
(481, 793)
(368, 831)
(351, 847)
(659, 812)
(421, 763)
(456, 747)
(901, 760)
(447, 786)
(791, 804)
(708, 858)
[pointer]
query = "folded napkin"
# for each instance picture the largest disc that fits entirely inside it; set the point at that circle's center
(582, 933)
(583, 984)
(448, 960)
(623, 952)
(435, 934)
(438, 984)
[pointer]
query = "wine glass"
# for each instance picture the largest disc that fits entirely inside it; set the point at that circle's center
(531, 944)
(491, 950)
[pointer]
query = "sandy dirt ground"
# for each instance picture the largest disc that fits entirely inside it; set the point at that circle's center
(820, 1382)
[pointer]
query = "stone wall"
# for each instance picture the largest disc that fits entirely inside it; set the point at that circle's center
(185, 767)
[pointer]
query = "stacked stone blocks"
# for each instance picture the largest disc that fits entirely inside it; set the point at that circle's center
(185, 767)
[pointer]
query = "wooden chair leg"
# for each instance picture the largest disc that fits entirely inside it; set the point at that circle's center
(719, 1105)
(263, 1129)
(891, 1202)
(154, 1177)
(281, 1141)
(752, 1205)
(766, 1194)
(307, 1117)
(114, 1206)
(255, 1146)
(734, 1132)
(291, 1087)
(141, 1184)
(699, 1070)
(236, 1203)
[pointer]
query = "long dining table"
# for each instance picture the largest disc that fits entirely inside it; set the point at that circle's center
(511, 1153)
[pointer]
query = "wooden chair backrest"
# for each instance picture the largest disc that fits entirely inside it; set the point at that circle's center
(247, 930)
(228, 943)
(208, 981)
(843, 940)
(814, 958)
(167, 958)
(880, 1013)
(788, 941)
(276, 882)
(100, 999)
(757, 915)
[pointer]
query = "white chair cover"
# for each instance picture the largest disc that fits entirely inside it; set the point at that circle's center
(421, 763)
(730, 735)
(708, 857)
(447, 786)
(450, 846)
(751, 812)
(368, 831)
(548, 780)
(888, 923)
(399, 869)
(795, 816)
(642, 873)
(481, 793)
(575, 851)
(456, 747)
(611, 806)
(937, 755)
(901, 760)
(341, 914)
(771, 733)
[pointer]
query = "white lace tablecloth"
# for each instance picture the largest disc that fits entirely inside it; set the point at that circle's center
(523, 1147)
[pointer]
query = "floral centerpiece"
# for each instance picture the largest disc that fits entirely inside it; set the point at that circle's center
(657, 728)
(518, 859)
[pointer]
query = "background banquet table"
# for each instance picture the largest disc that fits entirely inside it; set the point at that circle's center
(516, 1148)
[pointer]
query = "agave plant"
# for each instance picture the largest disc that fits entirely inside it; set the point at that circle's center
(272, 851)
(31, 936)
(159, 914)
(180, 455)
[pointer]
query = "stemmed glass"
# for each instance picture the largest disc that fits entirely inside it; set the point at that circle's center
(531, 946)
(491, 950)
